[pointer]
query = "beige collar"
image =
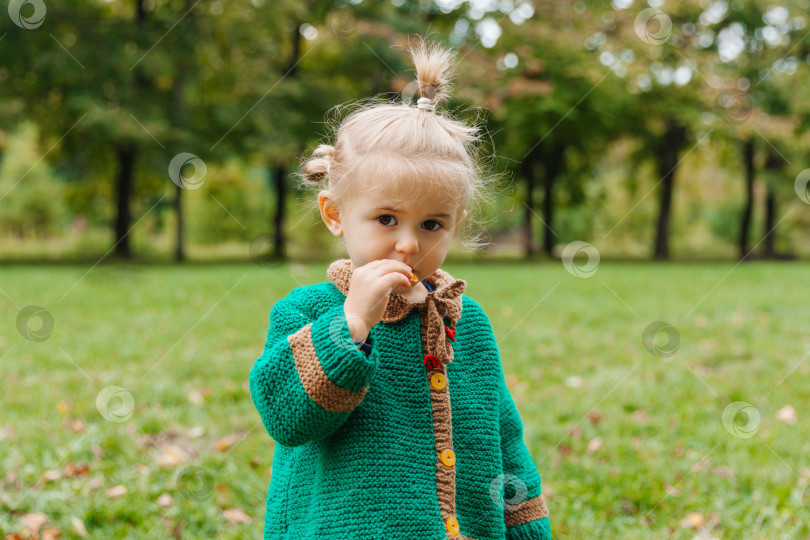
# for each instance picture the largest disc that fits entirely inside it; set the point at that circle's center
(446, 294)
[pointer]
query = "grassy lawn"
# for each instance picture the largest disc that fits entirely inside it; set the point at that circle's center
(630, 443)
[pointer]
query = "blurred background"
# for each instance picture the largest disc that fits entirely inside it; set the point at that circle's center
(649, 131)
(646, 271)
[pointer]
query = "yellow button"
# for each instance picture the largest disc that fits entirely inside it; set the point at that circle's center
(437, 381)
(448, 457)
(452, 525)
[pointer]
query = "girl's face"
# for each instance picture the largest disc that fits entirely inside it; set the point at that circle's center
(417, 230)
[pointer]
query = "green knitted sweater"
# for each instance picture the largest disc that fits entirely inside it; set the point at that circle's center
(366, 446)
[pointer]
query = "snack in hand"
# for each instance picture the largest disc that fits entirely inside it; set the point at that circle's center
(414, 279)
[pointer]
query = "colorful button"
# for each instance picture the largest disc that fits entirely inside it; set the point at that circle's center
(432, 361)
(448, 457)
(437, 381)
(452, 525)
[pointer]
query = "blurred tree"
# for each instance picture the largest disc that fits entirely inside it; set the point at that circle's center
(36, 208)
(660, 81)
(553, 100)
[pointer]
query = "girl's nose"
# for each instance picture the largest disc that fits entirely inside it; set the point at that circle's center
(407, 243)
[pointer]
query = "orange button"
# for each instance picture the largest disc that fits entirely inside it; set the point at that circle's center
(452, 525)
(448, 457)
(437, 381)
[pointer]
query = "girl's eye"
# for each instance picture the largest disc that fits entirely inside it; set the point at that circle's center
(385, 220)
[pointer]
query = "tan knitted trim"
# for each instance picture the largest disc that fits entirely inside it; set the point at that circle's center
(314, 380)
(443, 439)
(526, 511)
(340, 273)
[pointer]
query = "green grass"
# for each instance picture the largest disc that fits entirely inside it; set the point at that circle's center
(182, 340)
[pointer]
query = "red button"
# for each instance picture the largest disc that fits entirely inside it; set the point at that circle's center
(432, 361)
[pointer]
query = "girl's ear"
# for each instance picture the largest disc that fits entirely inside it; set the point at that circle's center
(330, 213)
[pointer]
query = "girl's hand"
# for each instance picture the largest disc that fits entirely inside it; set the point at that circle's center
(369, 290)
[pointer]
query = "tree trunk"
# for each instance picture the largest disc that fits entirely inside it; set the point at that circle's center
(745, 225)
(278, 172)
(127, 155)
(527, 168)
(179, 254)
(775, 165)
(554, 164)
(178, 116)
(279, 176)
(672, 142)
(768, 249)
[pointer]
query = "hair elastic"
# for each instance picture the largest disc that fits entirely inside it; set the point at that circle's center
(426, 104)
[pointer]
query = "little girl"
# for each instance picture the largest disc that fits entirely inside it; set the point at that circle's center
(383, 387)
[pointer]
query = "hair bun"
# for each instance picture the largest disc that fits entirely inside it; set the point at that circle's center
(433, 65)
(317, 168)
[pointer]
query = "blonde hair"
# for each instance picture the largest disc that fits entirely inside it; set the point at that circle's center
(415, 147)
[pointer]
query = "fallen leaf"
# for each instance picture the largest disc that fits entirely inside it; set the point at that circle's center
(98, 453)
(51, 533)
(787, 414)
(74, 425)
(226, 442)
(723, 471)
(35, 521)
(641, 416)
(6, 432)
(700, 465)
(236, 515)
(143, 470)
(594, 417)
(64, 407)
(171, 457)
(115, 492)
(694, 521)
(76, 469)
(78, 528)
(594, 445)
(165, 500)
(574, 382)
(52, 476)
(575, 432)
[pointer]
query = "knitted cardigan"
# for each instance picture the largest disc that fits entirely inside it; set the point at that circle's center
(366, 446)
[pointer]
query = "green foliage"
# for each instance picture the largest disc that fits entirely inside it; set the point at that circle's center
(32, 196)
(233, 203)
